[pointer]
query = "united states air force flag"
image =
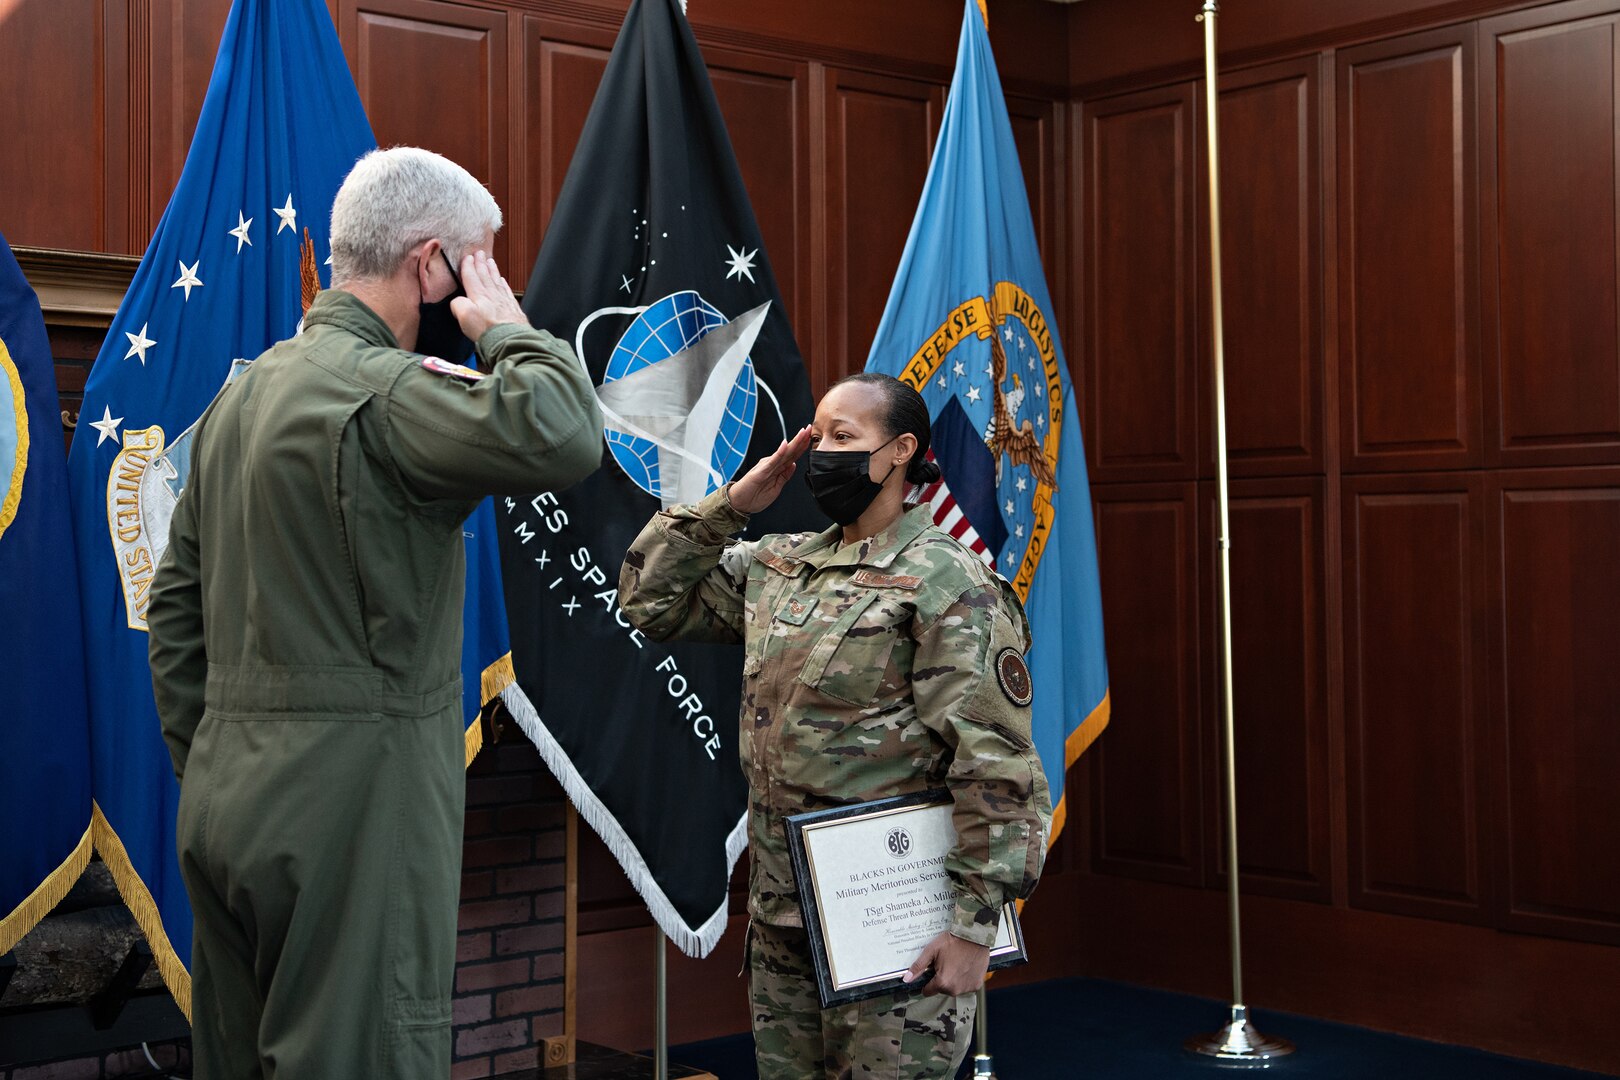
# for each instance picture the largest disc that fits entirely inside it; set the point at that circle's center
(234, 262)
(968, 325)
(654, 270)
(44, 728)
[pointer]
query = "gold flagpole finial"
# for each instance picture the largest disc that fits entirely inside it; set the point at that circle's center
(984, 9)
(309, 275)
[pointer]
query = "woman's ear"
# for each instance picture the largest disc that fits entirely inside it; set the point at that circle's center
(905, 448)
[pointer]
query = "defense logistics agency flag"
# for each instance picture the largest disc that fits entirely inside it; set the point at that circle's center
(968, 324)
(654, 270)
(44, 728)
(222, 279)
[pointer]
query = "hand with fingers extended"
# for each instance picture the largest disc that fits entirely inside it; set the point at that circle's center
(489, 300)
(959, 966)
(760, 486)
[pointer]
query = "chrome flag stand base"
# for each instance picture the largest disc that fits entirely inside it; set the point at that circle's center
(1239, 1045)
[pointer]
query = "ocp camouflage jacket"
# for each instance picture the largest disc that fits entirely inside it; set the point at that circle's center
(886, 667)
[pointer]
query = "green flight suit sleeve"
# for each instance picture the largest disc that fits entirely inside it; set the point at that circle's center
(684, 577)
(177, 649)
(1002, 806)
(531, 424)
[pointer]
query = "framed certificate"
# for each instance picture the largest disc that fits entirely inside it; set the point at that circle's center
(873, 889)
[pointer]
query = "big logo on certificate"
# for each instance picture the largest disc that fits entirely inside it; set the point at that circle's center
(874, 891)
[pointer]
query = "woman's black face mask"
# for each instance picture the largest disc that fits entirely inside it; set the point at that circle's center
(439, 333)
(841, 482)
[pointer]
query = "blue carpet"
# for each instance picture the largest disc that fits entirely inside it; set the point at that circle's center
(1088, 1028)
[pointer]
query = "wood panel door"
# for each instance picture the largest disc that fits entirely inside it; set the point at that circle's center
(67, 150)
(1407, 259)
(1414, 642)
(1272, 224)
(1039, 129)
(766, 105)
(560, 67)
(1136, 305)
(1548, 146)
(1280, 686)
(1556, 812)
(1145, 784)
(878, 139)
(434, 75)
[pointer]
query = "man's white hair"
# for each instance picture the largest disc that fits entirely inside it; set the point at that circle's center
(393, 200)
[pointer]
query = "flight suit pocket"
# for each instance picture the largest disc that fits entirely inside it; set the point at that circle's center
(848, 661)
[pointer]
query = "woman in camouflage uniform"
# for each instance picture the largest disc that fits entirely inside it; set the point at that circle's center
(882, 658)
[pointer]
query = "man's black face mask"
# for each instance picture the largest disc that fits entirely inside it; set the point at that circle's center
(439, 333)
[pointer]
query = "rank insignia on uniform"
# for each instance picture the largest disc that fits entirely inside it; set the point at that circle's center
(1013, 674)
(455, 371)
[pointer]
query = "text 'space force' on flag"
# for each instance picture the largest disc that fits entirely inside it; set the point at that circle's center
(653, 268)
(45, 834)
(969, 326)
(235, 260)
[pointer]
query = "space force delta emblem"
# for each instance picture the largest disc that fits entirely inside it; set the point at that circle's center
(998, 450)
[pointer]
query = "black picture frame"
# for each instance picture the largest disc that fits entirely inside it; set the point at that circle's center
(813, 909)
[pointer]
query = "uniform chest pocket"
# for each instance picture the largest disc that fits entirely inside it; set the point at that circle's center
(849, 659)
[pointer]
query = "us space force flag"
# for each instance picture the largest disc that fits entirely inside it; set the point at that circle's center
(968, 324)
(44, 726)
(235, 260)
(654, 270)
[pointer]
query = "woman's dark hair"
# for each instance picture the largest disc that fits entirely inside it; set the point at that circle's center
(904, 414)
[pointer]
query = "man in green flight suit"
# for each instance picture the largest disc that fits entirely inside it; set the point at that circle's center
(306, 632)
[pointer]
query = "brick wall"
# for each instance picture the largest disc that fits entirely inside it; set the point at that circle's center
(509, 956)
(509, 953)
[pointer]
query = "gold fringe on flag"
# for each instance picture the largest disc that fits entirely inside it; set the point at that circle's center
(38, 904)
(495, 678)
(140, 903)
(1078, 742)
(309, 276)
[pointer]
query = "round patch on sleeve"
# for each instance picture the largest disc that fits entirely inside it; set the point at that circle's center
(1013, 674)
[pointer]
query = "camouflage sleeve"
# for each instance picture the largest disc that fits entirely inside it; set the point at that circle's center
(177, 649)
(684, 577)
(530, 424)
(973, 689)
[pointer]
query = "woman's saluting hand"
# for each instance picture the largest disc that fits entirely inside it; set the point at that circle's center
(760, 486)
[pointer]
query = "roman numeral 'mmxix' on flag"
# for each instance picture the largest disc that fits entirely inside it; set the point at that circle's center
(44, 728)
(968, 324)
(233, 264)
(654, 270)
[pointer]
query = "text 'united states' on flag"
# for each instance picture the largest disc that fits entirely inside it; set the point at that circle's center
(236, 259)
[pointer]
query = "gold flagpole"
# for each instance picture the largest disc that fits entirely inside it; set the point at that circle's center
(1237, 1044)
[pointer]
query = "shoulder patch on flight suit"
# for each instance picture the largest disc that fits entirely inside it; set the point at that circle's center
(887, 581)
(455, 371)
(1013, 675)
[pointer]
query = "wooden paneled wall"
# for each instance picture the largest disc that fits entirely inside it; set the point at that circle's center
(1423, 361)
(1423, 389)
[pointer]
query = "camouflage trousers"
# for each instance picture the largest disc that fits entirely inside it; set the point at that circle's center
(901, 1036)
